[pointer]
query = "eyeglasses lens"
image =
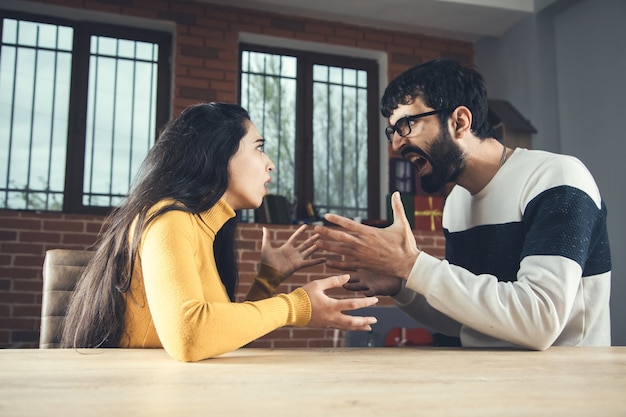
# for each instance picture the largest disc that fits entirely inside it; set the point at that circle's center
(402, 127)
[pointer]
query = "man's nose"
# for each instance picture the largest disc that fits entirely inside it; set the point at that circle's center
(397, 141)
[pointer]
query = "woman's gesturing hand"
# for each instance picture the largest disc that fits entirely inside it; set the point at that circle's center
(329, 312)
(291, 256)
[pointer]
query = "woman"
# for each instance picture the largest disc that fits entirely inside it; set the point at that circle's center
(165, 273)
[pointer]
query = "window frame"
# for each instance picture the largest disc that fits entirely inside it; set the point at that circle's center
(79, 88)
(304, 186)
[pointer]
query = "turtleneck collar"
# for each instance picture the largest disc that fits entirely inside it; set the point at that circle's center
(217, 215)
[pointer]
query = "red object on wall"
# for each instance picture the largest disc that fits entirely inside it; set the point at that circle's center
(428, 212)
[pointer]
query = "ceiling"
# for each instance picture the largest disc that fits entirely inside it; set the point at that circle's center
(466, 20)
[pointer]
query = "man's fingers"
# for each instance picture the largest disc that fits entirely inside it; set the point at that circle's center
(343, 265)
(355, 286)
(335, 247)
(344, 222)
(399, 215)
(340, 235)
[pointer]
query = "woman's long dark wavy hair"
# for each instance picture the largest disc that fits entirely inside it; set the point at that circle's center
(188, 164)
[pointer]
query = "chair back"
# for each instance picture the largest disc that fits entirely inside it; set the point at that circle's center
(61, 270)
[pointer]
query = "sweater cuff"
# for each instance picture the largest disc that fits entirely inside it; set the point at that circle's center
(405, 296)
(270, 275)
(265, 283)
(299, 307)
(423, 269)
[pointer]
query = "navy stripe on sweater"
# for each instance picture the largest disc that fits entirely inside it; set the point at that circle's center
(561, 221)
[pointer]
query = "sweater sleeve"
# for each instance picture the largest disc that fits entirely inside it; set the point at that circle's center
(530, 312)
(265, 283)
(191, 312)
(416, 306)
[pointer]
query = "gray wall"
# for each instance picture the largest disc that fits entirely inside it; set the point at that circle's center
(565, 70)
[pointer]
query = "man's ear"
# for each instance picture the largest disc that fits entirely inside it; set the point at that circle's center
(461, 120)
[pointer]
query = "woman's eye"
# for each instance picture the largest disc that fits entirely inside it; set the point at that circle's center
(261, 147)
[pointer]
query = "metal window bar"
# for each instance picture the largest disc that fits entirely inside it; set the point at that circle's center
(113, 119)
(342, 188)
(153, 95)
(53, 107)
(7, 189)
(32, 121)
(357, 147)
(93, 132)
(328, 135)
(279, 122)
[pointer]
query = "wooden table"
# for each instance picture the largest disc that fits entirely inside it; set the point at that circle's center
(315, 382)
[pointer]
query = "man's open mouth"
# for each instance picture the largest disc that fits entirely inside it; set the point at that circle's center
(417, 160)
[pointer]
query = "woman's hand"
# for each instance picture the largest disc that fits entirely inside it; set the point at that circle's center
(290, 257)
(329, 312)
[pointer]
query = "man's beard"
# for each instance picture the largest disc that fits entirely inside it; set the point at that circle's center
(445, 158)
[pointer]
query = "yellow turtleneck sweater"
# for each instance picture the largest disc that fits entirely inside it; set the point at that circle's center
(177, 300)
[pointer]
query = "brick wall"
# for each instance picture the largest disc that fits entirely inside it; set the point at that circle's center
(25, 237)
(206, 58)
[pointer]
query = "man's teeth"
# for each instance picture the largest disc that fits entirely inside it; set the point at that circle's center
(417, 161)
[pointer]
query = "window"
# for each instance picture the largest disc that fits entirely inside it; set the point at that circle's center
(318, 114)
(80, 104)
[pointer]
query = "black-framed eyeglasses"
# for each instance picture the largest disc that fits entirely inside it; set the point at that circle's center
(403, 125)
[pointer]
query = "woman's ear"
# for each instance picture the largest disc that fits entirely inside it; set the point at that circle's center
(462, 120)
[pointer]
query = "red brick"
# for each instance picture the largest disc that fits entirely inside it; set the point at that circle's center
(310, 37)
(20, 224)
(28, 260)
(64, 225)
(78, 238)
(27, 311)
(15, 272)
(7, 235)
(40, 237)
(27, 286)
(212, 23)
(16, 298)
(35, 248)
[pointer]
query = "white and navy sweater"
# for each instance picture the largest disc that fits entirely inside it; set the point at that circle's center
(527, 260)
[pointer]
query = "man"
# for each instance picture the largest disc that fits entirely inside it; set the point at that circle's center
(527, 252)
